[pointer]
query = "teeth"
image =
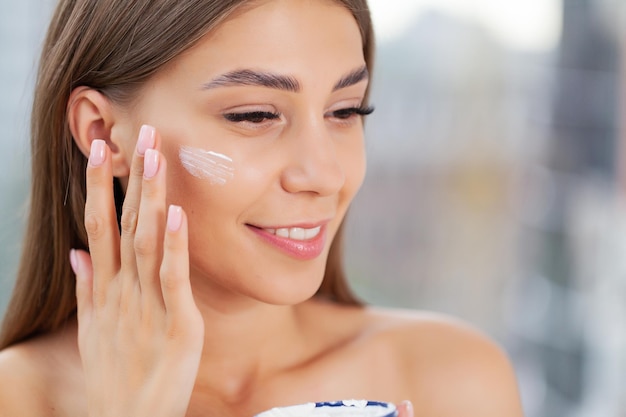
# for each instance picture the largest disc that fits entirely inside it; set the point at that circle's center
(295, 233)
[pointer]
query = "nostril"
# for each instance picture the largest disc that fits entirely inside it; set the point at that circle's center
(323, 177)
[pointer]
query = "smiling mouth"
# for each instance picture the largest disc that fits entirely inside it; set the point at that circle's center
(304, 243)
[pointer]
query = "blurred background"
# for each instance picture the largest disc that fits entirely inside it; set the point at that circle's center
(495, 187)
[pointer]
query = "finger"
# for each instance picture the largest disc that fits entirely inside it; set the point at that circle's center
(174, 273)
(81, 265)
(130, 210)
(148, 244)
(100, 216)
(405, 409)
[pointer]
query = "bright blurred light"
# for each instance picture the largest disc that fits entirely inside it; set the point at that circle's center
(520, 24)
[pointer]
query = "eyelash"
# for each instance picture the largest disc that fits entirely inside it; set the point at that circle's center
(255, 117)
(258, 117)
(351, 111)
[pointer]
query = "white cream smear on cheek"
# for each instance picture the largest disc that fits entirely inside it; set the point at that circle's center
(212, 166)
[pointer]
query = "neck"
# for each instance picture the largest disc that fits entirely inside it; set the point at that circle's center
(246, 341)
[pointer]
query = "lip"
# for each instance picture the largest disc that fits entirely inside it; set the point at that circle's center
(299, 249)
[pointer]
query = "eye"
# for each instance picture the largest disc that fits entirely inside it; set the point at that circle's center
(255, 117)
(349, 112)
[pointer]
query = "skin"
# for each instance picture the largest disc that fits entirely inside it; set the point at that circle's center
(172, 319)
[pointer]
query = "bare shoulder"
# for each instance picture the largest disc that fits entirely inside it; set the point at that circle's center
(450, 368)
(35, 377)
(21, 386)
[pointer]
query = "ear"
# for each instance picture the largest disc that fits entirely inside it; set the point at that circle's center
(91, 115)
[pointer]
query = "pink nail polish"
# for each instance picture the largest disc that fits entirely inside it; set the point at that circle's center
(408, 407)
(97, 152)
(150, 163)
(174, 218)
(74, 261)
(146, 139)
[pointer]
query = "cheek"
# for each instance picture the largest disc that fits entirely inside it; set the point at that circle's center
(214, 167)
(218, 211)
(216, 186)
(213, 210)
(354, 163)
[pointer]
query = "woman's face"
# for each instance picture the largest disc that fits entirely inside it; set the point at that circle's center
(271, 96)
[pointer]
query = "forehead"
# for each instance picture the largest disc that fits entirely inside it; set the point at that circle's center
(301, 37)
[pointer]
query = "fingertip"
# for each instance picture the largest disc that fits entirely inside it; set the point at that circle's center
(176, 229)
(97, 153)
(147, 139)
(74, 261)
(150, 163)
(174, 272)
(174, 218)
(81, 264)
(405, 409)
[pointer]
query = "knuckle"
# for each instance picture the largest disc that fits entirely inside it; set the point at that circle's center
(151, 190)
(186, 328)
(145, 245)
(136, 169)
(129, 220)
(100, 300)
(173, 333)
(94, 225)
(173, 245)
(169, 280)
(126, 302)
(95, 178)
(179, 330)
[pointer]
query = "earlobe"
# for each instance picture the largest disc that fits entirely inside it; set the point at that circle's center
(91, 116)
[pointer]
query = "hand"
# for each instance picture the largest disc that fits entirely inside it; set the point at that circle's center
(405, 409)
(140, 333)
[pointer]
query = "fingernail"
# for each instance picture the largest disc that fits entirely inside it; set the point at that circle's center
(150, 163)
(174, 218)
(146, 139)
(409, 407)
(97, 152)
(74, 261)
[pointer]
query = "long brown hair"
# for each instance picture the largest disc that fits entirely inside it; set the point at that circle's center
(114, 47)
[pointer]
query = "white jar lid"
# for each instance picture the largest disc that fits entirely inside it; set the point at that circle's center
(345, 408)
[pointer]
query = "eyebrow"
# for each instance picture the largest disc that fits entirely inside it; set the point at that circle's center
(352, 78)
(277, 81)
(255, 78)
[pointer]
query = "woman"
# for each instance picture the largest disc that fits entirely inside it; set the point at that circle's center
(208, 278)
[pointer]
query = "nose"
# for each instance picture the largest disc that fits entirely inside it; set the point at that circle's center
(314, 164)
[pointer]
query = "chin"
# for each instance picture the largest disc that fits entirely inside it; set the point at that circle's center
(285, 290)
